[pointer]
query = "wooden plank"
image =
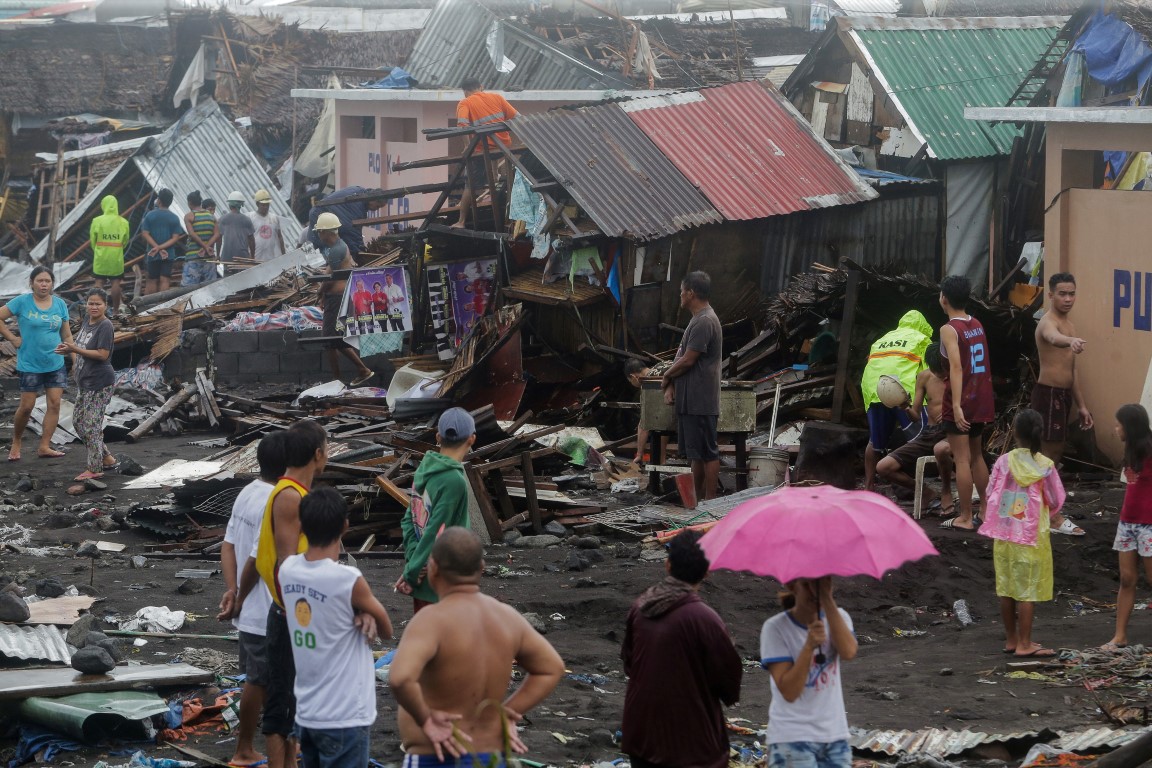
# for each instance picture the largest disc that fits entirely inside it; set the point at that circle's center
(207, 401)
(172, 404)
(530, 492)
(22, 683)
(63, 611)
(851, 293)
(487, 511)
(392, 490)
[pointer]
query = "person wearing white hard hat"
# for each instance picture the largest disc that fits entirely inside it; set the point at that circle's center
(336, 257)
(898, 354)
(269, 239)
(237, 235)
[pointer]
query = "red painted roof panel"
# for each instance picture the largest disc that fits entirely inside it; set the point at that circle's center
(748, 150)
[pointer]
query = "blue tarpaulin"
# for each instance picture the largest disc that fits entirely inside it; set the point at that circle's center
(397, 78)
(33, 739)
(1113, 51)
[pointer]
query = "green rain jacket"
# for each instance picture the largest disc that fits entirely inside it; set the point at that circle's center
(440, 501)
(109, 236)
(898, 353)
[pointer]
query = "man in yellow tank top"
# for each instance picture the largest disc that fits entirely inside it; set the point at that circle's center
(306, 451)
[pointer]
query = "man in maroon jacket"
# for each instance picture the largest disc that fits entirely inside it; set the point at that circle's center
(682, 668)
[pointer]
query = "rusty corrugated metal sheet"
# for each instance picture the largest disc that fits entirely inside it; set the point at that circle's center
(900, 232)
(614, 172)
(936, 742)
(1097, 739)
(748, 150)
(41, 641)
(454, 45)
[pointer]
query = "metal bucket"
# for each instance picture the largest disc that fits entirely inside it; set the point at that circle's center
(767, 467)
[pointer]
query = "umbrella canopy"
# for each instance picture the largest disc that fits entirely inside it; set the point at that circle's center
(807, 533)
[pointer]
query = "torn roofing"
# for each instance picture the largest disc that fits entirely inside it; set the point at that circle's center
(614, 172)
(201, 151)
(454, 45)
(748, 150)
(932, 69)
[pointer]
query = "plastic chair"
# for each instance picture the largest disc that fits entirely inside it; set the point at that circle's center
(918, 501)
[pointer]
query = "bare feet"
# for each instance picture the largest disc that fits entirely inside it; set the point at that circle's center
(14, 453)
(51, 453)
(1113, 646)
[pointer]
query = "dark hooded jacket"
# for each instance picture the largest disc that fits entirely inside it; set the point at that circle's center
(682, 668)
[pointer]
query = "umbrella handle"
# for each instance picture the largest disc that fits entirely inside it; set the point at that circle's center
(820, 657)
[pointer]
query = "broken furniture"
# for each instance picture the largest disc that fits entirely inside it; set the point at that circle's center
(736, 422)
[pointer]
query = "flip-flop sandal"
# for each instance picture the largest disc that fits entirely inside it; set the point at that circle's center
(53, 455)
(1069, 528)
(88, 476)
(950, 525)
(1039, 653)
(1008, 651)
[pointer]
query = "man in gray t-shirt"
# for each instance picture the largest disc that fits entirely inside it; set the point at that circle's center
(237, 235)
(693, 384)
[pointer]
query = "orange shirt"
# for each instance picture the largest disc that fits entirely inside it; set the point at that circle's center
(482, 108)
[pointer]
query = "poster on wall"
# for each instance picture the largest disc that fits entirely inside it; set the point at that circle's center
(440, 309)
(376, 301)
(472, 284)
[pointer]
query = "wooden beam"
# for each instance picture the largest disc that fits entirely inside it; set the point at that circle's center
(530, 491)
(484, 500)
(851, 294)
(161, 413)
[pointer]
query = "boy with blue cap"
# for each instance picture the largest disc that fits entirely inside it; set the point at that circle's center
(439, 501)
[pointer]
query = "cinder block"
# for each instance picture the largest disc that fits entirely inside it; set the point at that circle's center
(236, 341)
(302, 362)
(227, 364)
(311, 333)
(194, 341)
(258, 363)
(278, 341)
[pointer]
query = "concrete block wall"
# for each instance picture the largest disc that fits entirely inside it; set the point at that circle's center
(277, 357)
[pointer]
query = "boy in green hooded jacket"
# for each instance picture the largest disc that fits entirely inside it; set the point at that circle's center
(440, 501)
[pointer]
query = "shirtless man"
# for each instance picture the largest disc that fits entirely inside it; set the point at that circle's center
(897, 467)
(1058, 387)
(452, 667)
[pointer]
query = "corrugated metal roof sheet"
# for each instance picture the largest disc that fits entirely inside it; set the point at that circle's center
(614, 172)
(869, 7)
(42, 641)
(1096, 739)
(937, 742)
(748, 150)
(200, 151)
(933, 68)
(454, 45)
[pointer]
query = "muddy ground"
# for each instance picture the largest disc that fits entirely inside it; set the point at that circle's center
(897, 681)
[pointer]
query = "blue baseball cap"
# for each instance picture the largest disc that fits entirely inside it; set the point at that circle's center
(456, 424)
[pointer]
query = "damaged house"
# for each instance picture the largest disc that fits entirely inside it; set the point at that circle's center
(897, 89)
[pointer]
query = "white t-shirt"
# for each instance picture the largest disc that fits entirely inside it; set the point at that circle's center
(335, 682)
(818, 715)
(267, 235)
(243, 532)
(395, 299)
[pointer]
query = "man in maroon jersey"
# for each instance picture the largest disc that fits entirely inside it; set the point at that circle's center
(968, 404)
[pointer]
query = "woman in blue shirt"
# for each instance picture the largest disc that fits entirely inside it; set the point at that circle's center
(43, 322)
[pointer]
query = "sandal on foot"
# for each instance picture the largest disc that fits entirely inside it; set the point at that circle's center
(88, 475)
(1068, 528)
(362, 379)
(1039, 652)
(1111, 647)
(950, 525)
(51, 455)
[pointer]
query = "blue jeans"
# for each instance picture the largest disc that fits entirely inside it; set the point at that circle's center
(810, 754)
(334, 747)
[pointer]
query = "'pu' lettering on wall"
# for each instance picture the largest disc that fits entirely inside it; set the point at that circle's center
(1132, 291)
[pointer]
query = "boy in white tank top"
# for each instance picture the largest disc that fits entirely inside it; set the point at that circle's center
(335, 682)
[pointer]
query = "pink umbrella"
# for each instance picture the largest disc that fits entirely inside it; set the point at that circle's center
(807, 533)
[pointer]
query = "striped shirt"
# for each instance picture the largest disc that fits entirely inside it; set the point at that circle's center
(204, 225)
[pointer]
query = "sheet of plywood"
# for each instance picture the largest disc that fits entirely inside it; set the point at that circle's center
(21, 683)
(62, 611)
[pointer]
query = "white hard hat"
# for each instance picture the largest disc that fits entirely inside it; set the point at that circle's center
(327, 221)
(235, 197)
(891, 392)
(262, 196)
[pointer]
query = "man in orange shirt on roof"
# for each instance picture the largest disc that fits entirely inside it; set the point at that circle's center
(477, 109)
